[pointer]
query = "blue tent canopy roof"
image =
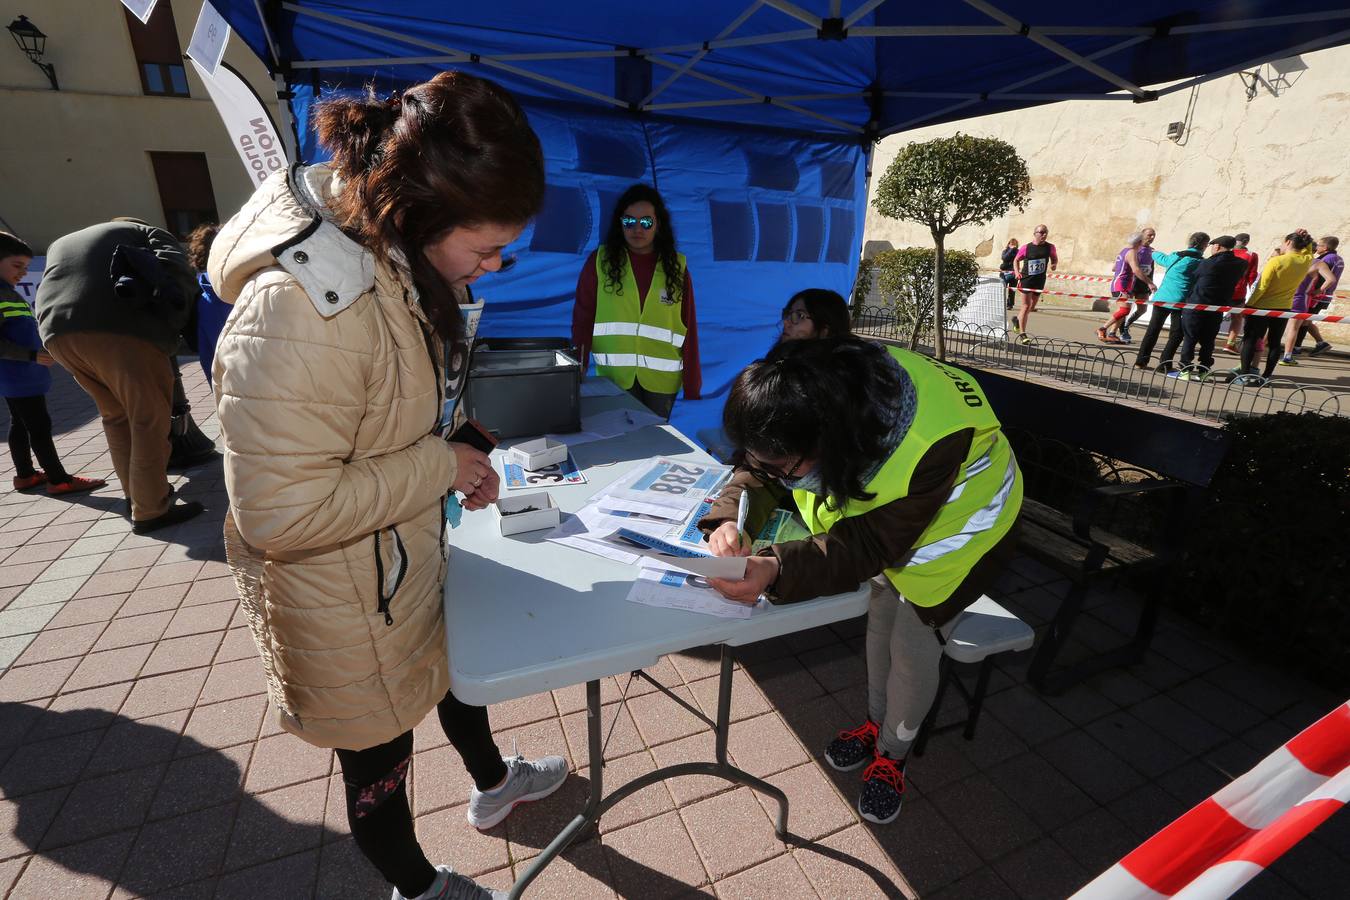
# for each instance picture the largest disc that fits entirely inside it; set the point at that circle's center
(859, 67)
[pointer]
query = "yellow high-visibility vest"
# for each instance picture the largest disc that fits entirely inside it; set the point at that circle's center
(635, 341)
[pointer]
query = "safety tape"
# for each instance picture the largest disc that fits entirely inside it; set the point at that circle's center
(1224, 842)
(1202, 307)
(1106, 279)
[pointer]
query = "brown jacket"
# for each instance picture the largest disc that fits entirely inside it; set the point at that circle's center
(861, 547)
(328, 394)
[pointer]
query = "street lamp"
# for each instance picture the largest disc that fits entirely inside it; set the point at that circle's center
(33, 43)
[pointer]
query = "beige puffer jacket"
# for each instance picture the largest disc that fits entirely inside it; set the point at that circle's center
(328, 397)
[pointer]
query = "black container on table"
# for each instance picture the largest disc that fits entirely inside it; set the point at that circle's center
(524, 386)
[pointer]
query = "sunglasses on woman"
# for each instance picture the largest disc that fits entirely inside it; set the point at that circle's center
(647, 222)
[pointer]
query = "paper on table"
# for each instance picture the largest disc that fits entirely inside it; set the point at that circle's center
(687, 559)
(608, 424)
(565, 472)
(573, 533)
(677, 590)
(678, 484)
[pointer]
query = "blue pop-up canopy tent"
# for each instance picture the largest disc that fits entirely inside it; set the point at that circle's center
(754, 119)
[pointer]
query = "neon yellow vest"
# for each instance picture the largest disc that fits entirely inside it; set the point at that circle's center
(983, 504)
(638, 342)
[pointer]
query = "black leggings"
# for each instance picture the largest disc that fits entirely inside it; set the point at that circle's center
(1261, 327)
(30, 434)
(377, 794)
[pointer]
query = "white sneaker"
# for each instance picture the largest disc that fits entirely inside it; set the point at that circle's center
(526, 780)
(450, 885)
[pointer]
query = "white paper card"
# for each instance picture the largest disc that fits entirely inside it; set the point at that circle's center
(209, 37)
(677, 590)
(141, 9)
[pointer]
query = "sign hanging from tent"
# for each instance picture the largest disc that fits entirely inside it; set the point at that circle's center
(252, 131)
(209, 37)
(141, 9)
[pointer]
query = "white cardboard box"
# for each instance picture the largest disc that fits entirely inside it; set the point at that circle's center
(512, 520)
(536, 454)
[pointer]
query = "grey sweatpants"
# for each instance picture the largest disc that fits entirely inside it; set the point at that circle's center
(902, 667)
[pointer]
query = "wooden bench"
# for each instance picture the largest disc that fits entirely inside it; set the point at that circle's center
(1109, 489)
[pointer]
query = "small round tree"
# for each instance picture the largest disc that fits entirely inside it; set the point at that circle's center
(905, 281)
(950, 182)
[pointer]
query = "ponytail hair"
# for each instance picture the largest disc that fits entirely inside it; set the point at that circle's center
(450, 152)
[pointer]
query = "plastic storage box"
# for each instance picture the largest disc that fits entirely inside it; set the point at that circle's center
(524, 392)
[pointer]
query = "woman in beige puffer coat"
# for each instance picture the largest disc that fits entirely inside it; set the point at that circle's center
(346, 283)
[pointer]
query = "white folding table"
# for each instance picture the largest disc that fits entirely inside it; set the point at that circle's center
(523, 615)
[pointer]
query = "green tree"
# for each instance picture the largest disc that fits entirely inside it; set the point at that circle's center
(947, 183)
(905, 281)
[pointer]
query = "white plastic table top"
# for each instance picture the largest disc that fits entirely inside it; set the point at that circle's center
(523, 615)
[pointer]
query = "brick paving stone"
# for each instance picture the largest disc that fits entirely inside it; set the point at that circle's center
(1027, 715)
(241, 678)
(280, 879)
(1086, 762)
(1178, 724)
(1042, 869)
(1146, 809)
(982, 884)
(277, 823)
(201, 781)
(697, 662)
(109, 667)
(764, 746)
(581, 871)
(98, 806)
(82, 870)
(440, 780)
(73, 567)
(647, 803)
(61, 643)
(175, 573)
(105, 583)
(164, 693)
(990, 821)
(689, 789)
(137, 558)
(129, 631)
(573, 698)
(33, 553)
(784, 681)
(664, 672)
(815, 806)
(197, 619)
(1039, 790)
(211, 590)
(1146, 749)
(239, 644)
(27, 620)
(522, 711)
(47, 764)
(344, 872)
(654, 859)
(660, 719)
(68, 532)
(816, 722)
(149, 600)
(447, 835)
(17, 537)
(850, 865)
(746, 700)
(80, 711)
(43, 592)
(835, 666)
(178, 851)
(778, 878)
(128, 744)
(731, 833)
(1234, 714)
(1096, 841)
(39, 520)
(220, 725)
(1193, 781)
(101, 543)
(178, 654)
(90, 609)
(285, 759)
(24, 683)
(23, 822)
(1160, 672)
(615, 723)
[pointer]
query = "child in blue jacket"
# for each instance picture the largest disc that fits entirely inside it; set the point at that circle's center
(24, 380)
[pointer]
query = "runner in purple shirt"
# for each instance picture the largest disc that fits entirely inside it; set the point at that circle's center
(1314, 295)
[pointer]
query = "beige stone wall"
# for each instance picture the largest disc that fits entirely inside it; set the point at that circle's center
(77, 156)
(1101, 168)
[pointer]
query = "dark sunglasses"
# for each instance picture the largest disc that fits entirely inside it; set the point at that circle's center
(647, 222)
(766, 474)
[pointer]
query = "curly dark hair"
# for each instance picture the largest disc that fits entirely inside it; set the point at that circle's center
(616, 256)
(827, 309)
(1300, 240)
(793, 404)
(199, 243)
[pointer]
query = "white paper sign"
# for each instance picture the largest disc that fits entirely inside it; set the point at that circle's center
(209, 37)
(246, 119)
(141, 9)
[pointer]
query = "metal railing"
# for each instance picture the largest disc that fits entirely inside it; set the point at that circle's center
(1109, 372)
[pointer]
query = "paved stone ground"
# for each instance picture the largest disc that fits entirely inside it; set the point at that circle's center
(136, 758)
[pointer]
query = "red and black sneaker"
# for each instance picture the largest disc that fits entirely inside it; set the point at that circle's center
(76, 485)
(28, 482)
(852, 748)
(883, 790)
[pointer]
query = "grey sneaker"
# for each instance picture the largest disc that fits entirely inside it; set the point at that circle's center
(526, 780)
(450, 885)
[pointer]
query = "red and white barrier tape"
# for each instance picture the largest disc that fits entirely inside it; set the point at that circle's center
(1105, 278)
(1229, 839)
(1201, 307)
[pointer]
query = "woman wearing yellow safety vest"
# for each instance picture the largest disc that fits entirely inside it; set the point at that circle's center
(903, 476)
(634, 307)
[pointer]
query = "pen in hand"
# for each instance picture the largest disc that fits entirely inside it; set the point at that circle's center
(742, 508)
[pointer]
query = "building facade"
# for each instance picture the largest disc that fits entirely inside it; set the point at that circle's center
(130, 132)
(1262, 152)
